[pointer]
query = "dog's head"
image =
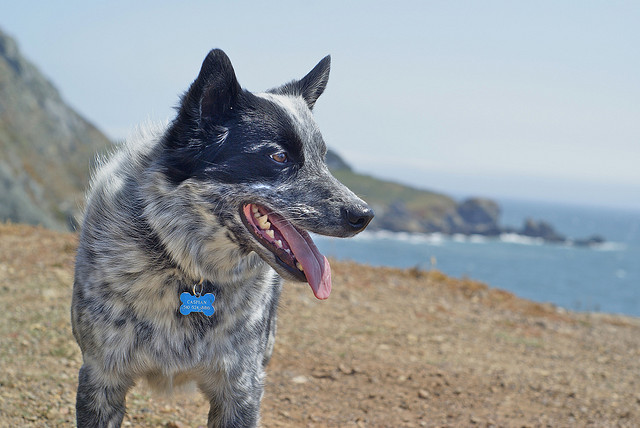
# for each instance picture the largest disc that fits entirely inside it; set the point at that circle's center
(254, 163)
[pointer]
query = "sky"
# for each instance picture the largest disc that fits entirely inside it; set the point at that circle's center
(502, 99)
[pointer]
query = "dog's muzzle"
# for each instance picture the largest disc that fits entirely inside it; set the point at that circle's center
(292, 247)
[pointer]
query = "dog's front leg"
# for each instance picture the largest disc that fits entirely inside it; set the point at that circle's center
(100, 402)
(235, 398)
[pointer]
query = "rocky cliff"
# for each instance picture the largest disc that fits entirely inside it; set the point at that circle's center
(45, 147)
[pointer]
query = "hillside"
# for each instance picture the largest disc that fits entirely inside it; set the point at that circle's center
(46, 148)
(389, 348)
(400, 207)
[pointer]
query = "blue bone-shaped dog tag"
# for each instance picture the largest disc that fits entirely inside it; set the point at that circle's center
(191, 303)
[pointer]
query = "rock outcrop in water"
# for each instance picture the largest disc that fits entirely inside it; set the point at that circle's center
(541, 229)
(479, 216)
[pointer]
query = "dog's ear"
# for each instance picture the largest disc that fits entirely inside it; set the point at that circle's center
(213, 94)
(219, 87)
(311, 86)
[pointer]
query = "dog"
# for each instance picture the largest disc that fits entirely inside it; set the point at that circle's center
(218, 203)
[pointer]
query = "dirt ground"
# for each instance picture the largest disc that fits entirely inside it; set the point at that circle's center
(389, 348)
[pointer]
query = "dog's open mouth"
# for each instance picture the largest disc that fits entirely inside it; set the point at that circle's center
(293, 248)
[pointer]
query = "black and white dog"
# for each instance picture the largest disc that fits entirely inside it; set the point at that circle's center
(216, 205)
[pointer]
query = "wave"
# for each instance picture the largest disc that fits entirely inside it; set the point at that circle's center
(514, 238)
(411, 238)
(441, 239)
(474, 239)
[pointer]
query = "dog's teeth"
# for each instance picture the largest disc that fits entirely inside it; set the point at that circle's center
(263, 223)
(256, 214)
(279, 243)
(288, 251)
(269, 233)
(254, 209)
(299, 266)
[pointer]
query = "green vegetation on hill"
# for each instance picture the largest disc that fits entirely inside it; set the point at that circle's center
(381, 194)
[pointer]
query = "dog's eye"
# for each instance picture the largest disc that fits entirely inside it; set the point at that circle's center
(280, 157)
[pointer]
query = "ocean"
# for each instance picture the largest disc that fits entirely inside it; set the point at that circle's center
(605, 278)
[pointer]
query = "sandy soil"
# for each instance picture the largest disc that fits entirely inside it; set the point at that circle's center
(389, 348)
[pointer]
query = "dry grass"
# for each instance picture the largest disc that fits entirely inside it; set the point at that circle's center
(389, 348)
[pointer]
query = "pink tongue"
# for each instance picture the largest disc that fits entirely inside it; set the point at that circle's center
(316, 266)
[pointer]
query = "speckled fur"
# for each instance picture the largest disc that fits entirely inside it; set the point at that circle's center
(163, 212)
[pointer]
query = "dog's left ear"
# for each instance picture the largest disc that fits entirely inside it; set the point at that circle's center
(311, 86)
(220, 87)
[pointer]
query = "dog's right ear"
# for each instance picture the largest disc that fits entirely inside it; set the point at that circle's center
(220, 87)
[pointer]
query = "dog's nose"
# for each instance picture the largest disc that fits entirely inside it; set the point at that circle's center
(358, 217)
